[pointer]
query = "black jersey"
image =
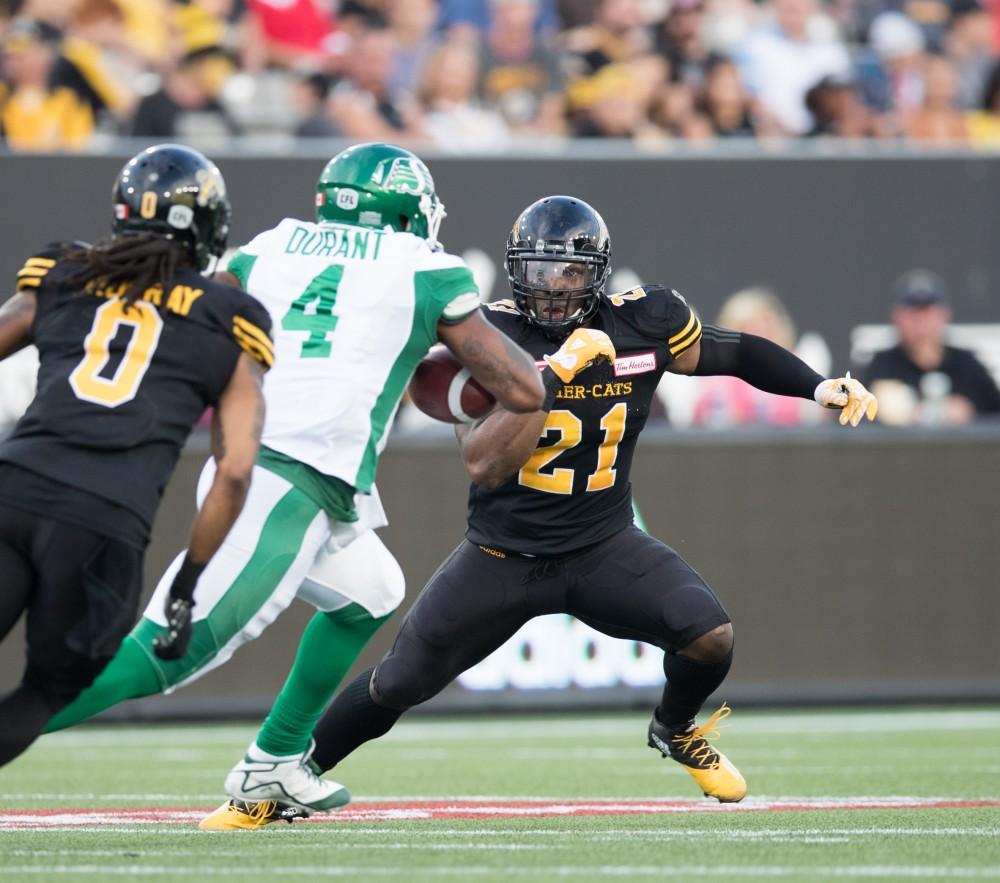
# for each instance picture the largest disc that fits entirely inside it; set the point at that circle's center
(120, 388)
(574, 490)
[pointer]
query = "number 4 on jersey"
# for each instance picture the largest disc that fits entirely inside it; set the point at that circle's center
(320, 321)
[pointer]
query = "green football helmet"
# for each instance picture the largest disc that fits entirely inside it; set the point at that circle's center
(380, 185)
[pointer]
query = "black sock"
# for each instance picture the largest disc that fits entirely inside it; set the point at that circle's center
(24, 713)
(351, 720)
(689, 684)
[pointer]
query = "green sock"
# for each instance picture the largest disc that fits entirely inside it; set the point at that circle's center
(329, 646)
(130, 674)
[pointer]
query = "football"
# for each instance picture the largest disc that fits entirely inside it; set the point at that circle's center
(445, 390)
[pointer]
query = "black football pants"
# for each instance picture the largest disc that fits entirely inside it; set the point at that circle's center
(629, 586)
(80, 591)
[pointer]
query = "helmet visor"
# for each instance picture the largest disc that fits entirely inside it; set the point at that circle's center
(555, 292)
(551, 275)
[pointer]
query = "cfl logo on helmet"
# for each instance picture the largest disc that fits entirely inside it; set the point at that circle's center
(347, 199)
(180, 217)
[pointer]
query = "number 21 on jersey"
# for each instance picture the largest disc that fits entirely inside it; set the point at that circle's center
(570, 429)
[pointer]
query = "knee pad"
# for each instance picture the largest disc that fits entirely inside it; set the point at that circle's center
(395, 686)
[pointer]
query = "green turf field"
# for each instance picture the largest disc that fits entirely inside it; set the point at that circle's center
(500, 799)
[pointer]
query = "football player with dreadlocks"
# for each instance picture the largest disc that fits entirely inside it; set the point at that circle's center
(357, 298)
(550, 526)
(134, 345)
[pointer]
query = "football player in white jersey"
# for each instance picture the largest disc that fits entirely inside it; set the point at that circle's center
(356, 300)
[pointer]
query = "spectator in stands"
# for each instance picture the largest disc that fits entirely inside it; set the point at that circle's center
(309, 95)
(35, 115)
(984, 124)
(454, 120)
(362, 104)
(676, 112)
(782, 60)
(969, 45)
(94, 61)
(727, 401)
(922, 379)
(680, 39)
(471, 19)
(618, 33)
(938, 120)
(891, 74)
(837, 110)
(616, 105)
(290, 34)
(726, 102)
(414, 24)
(187, 105)
(521, 75)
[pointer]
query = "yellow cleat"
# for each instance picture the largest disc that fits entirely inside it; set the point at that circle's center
(239, 815)
(689, 746)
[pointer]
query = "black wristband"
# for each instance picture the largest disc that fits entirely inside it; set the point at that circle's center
(186, 579)
(552, 384)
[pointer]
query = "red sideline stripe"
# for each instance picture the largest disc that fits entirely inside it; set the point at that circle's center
(476, 809)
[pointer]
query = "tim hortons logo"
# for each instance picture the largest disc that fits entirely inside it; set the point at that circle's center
(641, 363)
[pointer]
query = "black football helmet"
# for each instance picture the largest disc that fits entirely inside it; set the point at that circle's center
(558, 261)
(178, 193)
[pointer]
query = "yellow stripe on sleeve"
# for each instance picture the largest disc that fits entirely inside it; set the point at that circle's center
(28, 282)
(692, 319)
(688, 341)
(32, 271)
(253, 348)
(49, 263)
(253, 331)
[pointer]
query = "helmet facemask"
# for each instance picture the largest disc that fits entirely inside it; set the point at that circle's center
(556, 290)
(434, 213)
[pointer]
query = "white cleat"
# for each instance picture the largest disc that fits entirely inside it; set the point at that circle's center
(290, 779)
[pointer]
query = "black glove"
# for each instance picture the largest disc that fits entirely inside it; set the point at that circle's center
(173, 643)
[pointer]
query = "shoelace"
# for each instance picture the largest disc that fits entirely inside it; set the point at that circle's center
(257, 811)
(704, 754)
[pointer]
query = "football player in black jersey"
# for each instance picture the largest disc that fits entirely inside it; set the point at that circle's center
(550, 519)
(134, 344)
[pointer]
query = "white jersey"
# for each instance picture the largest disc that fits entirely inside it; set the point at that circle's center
(354, 309)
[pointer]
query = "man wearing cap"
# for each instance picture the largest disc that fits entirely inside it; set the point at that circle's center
(922, 379)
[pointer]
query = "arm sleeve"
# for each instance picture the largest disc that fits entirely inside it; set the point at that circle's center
(757, 361)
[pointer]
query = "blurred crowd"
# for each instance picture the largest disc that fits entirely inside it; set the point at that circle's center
(467, 75)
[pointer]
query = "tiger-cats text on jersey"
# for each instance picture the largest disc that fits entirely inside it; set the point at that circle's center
(574, 490)
(120, 388)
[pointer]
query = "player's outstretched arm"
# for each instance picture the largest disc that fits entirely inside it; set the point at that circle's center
(499, 444)
(774, 369)
(498, 363)
(236, 429)
(16, 318)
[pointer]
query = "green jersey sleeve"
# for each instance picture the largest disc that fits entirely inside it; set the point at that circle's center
(448, 294)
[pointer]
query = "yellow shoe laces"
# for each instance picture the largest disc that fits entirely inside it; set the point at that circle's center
(258, 812)
(706, 756)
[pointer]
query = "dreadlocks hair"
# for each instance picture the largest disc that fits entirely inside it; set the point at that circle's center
(142, 260)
